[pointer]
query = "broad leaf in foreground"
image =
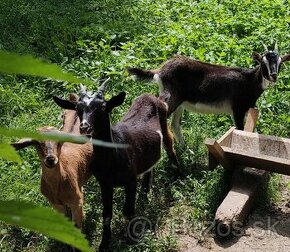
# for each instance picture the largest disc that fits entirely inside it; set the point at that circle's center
(8, 152)
(12, 63)
(43, 220)
(58, 137)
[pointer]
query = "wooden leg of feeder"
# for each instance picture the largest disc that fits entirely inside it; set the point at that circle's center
(212, 162)
(251, 120)
(247, 184)
(231, 214)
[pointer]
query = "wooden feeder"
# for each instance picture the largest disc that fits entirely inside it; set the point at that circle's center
(251, 156)
(240, 148)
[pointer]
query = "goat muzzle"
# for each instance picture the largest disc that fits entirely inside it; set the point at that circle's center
(50, 161)
(273, 77)
(85, 129)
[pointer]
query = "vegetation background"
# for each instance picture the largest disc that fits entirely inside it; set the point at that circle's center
(100, 38)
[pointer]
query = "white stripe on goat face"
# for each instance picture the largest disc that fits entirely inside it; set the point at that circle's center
(277, 64)
(85, 115)
(87, 100)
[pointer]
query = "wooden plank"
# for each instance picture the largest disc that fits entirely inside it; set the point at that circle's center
(261, 137)
(238, 203)
(260, 161)
(251, 121)
(225, 140)
(216, 150)
(212, 161)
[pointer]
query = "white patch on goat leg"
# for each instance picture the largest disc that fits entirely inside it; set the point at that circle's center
(161, 136)
(210, 108)
(175, 124)
(161, 141)
(158, 80)
(166, 106)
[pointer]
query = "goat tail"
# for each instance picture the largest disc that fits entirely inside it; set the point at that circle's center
(142, 74)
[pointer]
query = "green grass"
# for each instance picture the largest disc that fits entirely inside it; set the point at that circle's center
(101, 38)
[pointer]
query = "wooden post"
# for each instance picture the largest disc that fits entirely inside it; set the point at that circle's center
(247, 183)
(251, 121)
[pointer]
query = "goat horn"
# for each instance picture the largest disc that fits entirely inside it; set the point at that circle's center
(276, 47)
(102, 88)
(266, 48)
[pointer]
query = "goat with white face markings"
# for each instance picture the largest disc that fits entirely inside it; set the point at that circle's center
(207, 88)
(143, 128)
(65, 167)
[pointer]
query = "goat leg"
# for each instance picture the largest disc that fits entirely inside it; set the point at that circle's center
(168, 144)
(130, 198)
(239, 115)
(146, 183)
(60, 208)
(176, 125)
(107, 200)
(77, 214)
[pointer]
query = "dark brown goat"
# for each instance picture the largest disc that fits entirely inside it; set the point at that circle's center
(208, 88)
(65, 167)
(144, 128)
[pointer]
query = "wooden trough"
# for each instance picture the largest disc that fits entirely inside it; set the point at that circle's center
(240, 148)
(251, 156)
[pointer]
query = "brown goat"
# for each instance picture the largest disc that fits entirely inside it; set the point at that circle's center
(65, 167)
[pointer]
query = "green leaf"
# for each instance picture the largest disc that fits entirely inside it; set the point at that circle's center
(12, 63)
(43, 220)
(7, 152)
(58, 137)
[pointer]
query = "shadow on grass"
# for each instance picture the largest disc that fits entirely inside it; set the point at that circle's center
(52, 28)
(150, 215)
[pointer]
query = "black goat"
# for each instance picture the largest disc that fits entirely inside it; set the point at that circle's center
(209, 88)
(143, 128)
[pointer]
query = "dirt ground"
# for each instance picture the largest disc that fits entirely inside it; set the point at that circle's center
(269, 231)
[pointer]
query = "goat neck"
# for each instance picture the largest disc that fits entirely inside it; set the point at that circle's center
(71, 122)
(102, 130)
(51, 175)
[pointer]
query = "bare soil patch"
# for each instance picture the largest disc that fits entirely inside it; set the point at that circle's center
(264, 231)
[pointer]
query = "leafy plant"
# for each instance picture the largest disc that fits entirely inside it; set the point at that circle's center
(43, 220)
(99, 38)
(11, 63)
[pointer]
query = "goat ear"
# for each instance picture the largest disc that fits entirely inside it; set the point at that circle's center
(23, 143)
(256, 56)
(66, 104)
(285, 58)
(115, 101)
(73, 97)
